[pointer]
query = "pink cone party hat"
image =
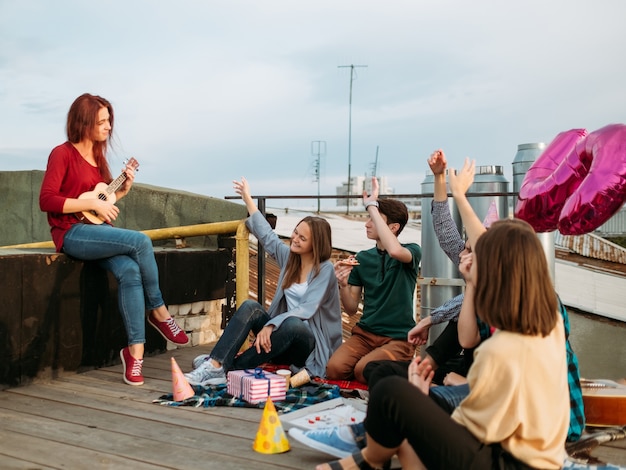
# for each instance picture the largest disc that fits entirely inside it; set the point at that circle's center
(180, 387)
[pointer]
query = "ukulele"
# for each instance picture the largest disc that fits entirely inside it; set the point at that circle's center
(104, 192)
(605, 402)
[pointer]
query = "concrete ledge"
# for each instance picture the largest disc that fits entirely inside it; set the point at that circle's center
(59, 314)
(146, 207)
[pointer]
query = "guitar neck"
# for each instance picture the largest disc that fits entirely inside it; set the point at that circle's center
(119, 181)
(116, 184)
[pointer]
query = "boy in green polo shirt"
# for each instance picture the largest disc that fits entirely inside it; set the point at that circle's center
(384, 280)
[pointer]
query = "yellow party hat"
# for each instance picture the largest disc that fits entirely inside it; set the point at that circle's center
(270, 438)
(180, 387)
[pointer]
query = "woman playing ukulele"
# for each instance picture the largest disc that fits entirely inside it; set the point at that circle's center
(77, 167)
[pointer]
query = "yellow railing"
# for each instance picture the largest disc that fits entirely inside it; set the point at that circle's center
(238, 227)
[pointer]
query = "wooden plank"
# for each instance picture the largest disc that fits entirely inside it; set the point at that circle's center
(10, 463)
(180, 426)
(247, 414)
(148, 444)
(27, 452)
(95, 420)
(188, 417)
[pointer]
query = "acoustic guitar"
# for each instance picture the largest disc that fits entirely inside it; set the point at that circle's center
(605, 402)
(104, 192)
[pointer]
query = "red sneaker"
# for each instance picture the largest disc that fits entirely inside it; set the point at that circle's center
(132, 368)
(169, 330)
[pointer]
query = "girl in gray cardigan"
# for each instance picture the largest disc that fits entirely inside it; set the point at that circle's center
(303, 324)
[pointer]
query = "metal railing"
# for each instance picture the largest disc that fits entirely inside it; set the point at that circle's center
(242, 246)
(262, 205)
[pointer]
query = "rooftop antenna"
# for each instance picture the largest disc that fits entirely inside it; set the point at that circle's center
(352, 67)
(375, 164)
(318, 150)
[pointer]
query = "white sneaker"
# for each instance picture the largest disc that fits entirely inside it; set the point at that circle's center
(199, 360)
(206, 374)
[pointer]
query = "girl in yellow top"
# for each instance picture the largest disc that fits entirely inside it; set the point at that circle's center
(517, 412)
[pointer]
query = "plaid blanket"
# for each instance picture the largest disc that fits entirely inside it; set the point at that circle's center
(344, 384)
(216, 395)
(571, 465)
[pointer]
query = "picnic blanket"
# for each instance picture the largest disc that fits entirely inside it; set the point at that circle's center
(342, 384)
(216, 395)
(572, 465)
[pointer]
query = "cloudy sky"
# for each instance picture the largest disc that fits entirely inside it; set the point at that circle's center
(206, 91)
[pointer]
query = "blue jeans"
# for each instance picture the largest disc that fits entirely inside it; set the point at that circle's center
(129, 255)
(448, 397)
(291, 343)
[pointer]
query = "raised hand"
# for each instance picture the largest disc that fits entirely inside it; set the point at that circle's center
(374, 196)
(463, 179)
(243, 189)
(437, 162)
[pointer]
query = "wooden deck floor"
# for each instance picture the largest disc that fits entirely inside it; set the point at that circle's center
(93, 420)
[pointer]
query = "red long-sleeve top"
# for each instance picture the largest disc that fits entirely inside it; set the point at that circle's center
(67, 175)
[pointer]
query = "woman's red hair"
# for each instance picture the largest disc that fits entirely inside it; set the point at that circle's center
(82, 120)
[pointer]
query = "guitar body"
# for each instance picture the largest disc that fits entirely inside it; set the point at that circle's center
(104, 192)
(605, 402)
(99, 192)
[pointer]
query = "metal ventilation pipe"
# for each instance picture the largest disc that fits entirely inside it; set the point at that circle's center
(524, 158)
(440, 279)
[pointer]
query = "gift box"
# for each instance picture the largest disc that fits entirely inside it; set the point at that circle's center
(254, 386)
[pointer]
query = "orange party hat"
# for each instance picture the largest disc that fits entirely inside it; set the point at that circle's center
(270, 438)
(180, 387)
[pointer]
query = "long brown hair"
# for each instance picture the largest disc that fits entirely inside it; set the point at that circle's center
(514, 290)
(82, 119)
(321, 242)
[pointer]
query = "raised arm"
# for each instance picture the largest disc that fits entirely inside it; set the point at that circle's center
(459, 184)
(438, 163)
(446, 230)
(469, 335)
(243, 189)
(387, 239)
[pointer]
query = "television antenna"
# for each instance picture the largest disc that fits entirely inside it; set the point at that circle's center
(318, 150)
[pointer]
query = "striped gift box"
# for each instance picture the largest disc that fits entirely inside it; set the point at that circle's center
(254, 386)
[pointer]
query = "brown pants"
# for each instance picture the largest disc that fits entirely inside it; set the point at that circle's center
(361, 348)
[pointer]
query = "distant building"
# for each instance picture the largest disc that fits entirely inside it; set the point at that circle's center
(615, 226)
(358, 184)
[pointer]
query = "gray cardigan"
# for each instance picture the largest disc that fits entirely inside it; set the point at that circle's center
(319, 308)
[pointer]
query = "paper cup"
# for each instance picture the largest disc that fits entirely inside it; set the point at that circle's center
(286, 374)
(300, 378)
